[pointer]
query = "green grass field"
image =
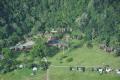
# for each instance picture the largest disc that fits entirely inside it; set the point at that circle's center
(87, 57)
(84, 57)
(81, 56)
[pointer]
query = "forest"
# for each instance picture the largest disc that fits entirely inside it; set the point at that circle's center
(97, 18)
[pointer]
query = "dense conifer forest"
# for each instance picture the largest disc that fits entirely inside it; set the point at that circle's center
(95, 18)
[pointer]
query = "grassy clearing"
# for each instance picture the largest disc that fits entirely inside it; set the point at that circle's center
(87, 57)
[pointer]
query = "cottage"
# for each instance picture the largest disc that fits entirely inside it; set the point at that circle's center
(23, 47)
(53, 42)
(57, 43)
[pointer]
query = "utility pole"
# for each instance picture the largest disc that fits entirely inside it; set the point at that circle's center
(47, 74)
(63, 50)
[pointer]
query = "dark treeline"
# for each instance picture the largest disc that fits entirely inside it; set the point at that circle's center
(97, 19)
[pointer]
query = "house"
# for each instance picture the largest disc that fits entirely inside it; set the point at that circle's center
(57, 43)
(28, 45)
(53, 42)
(23, 47)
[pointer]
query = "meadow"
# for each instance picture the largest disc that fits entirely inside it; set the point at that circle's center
(82, 56)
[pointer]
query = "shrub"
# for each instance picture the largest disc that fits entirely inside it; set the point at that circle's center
(69, 60)
(89, 45)
(45, 65)
(64, 56)
(77, 44)
(61, 61)
(52, 51)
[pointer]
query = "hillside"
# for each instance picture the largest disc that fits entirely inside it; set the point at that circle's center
(59, 39)
(95, 18)
(81, 57)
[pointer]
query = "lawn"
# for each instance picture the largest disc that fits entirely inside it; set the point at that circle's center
(81, 57)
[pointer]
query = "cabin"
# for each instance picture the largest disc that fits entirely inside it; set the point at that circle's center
(23, 47)
(53, 42)
(57, 43)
